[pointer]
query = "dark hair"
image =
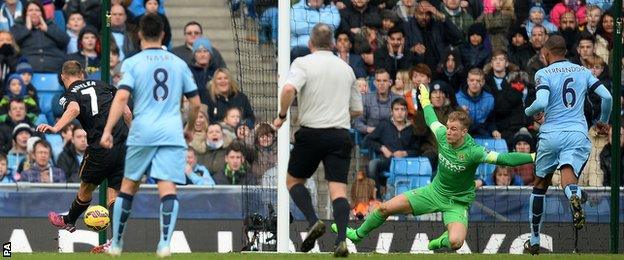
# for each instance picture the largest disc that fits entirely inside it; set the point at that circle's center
(75, 12)
(381, 71)
(556, 45)
(201, 30)
(42, 142)
(145, 2)
(538, 26)
(3, 157)
(396, 29)
(227, 111)
(234, 147)
(399, 101)
(77, 127)
(586, 36)
(151, 27)
(15, 100)
(420, 68)
(322, 36)
(38, 4)
(264, 129)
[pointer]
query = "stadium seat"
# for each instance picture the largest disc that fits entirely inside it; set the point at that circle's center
(59, 19)
(46, 82)
(408, 173)
(491, 144)
(484, 171)
(45, 103)
(41, 119)
(56, 142)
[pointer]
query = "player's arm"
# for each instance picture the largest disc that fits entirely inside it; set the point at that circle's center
(507, 159)
(71, 112)
(116, 111)
(431, 119)
(286, 98)
(605, 105)
(541, 97)
(127, 116)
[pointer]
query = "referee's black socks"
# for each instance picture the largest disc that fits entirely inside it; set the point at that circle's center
(77, 208)
(341, 216)
(301, 196)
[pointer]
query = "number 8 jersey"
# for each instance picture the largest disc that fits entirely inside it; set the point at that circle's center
(568, 84)
(157, 79)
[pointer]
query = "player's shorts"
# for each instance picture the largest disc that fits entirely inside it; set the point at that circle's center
(165, 163)
(99, 164)
(555, 149)
(332, 146)
(426, 200)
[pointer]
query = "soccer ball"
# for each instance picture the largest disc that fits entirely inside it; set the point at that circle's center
(96, 218)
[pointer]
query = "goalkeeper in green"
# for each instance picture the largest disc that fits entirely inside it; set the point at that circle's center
(453, 188)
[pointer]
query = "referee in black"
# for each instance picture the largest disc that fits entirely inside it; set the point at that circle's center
(327, 98)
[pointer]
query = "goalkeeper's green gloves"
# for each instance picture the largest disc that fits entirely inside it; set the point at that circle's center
(424, 95)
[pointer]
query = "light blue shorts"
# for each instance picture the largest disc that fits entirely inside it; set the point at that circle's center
(165, 163)
(556, 149)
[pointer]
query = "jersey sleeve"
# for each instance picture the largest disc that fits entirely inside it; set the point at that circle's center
(296, 75)
(127, 79)
(592, 82)
(541, 82)
(68, 98)
(438, 129)
(189, 88)
(507, 159)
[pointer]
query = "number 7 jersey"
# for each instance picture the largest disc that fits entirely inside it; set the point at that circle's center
(157, 79)
(568, 84)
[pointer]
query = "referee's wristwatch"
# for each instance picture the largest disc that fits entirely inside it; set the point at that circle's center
(282, 117)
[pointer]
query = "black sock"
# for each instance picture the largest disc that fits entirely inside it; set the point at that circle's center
(301, 196)
(111, 207)
(77, 208)
(341, 216)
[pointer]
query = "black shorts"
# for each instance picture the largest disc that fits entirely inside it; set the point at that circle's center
(99, 164)
(331, 146)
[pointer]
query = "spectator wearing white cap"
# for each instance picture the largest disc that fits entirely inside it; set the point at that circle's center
(201, 68)
(21, 133)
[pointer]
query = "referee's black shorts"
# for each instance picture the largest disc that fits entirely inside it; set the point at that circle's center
(100, 163)
(332, 146)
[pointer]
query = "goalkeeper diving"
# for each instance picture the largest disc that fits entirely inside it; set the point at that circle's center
(453, 188)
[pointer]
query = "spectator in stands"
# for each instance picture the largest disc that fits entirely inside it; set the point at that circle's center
(223, 93)
(15, 89)
(29, 160)
(393, 56)
(151, 7)
(498, 22)
(460, 18)
(429, 33)
(69, 160)
(359, 14)
(592, 174)
(214, 156)
(16, 116)
(89, 50)
(137, 7)
(26, 72)
(523, 142)
(6, 175)
(368, 56)
(17, 151)
(450, 69)
(234, 172)
(443, 102)
(376, 105)
(419, 74)
(585, 48)
(363, 196)
(124, 33)
(247, 140)
(201, 68)
(535, 63)
(389, 20)
(569, 29)
(303, 16)
(9, 53)
(478, 103)
(537, 17)
(200, 130)
(193, 31)
(510, 100)
(41, 170)
(75, 24)
(404, 9)
(196, 174)
(519, 49)
(502, 176)
(265, 149)
(605, 160)
(90, 9)
(231, 120)
(594, 13)
(402, 83)
(362, 84)
(10, 10)
(268, 26)
(604, 35)
(475, 52)
(392, 138)
(343, 50)
(576, 8)
(41, 41)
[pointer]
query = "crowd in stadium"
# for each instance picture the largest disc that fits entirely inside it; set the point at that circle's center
(479, 56)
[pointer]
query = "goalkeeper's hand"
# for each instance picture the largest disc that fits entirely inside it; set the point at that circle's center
(424, 95)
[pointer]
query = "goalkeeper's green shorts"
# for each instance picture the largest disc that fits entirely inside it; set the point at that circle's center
(426, 200)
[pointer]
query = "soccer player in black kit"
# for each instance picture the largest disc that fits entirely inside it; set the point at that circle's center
(89, 101)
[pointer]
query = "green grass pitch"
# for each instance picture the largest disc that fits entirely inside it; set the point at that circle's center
(298, 256)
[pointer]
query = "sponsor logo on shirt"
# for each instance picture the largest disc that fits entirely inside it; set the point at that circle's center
(456, 168)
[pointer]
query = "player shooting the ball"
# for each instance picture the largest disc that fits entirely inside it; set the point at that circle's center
(453, 188)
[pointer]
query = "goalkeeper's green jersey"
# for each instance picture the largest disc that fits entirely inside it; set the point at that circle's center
(455, 178)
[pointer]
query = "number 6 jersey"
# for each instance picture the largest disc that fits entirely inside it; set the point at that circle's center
(94, 98)
(568, 85)
(156, 79)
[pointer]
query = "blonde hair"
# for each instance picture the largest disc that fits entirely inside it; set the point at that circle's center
(404, 75)
(13, 43)
(460, 116)
(594, 60)
(212, 85)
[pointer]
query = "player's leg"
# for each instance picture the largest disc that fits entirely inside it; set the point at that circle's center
(78, 206)
(453, 238)
(455, 216)
(169, 206)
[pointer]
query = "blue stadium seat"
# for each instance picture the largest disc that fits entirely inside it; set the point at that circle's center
(41, 119)
(45, 103)
(56, 142)
(484, 171)
(46, 82)
(59, 19)
(497, 145)
(408, 173)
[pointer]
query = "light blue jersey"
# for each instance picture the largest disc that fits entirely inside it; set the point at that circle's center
(568, 84)
(157, 79)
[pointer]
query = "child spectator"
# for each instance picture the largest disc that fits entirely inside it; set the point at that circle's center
(363, 196)
(214, 156)
(362, 84)
(89, 50)
(266, 151)
(15, 89)
(230, 122)
(523, 142)
(26, 72)
(502, 176)
(75, 24)
(196, 174)
(6, 175)
(450, 69)
(594, 13)
(537, 16)
(475, 52)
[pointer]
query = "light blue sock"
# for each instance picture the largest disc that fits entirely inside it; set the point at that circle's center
(121, 213)
(572, 189)
(537, 203)
(168, 215)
